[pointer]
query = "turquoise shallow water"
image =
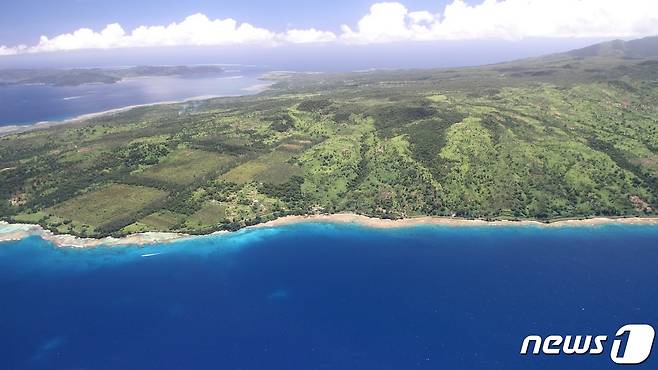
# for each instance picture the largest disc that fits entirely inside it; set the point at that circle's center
(326, 296)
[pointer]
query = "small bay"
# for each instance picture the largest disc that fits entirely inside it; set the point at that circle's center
(29, 104)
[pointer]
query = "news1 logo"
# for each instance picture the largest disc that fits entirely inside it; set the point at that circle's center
(632, 344)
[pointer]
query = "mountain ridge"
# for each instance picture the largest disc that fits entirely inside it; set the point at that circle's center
(645, 47)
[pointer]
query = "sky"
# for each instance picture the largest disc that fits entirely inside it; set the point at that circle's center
(23, 22)
(39, 27)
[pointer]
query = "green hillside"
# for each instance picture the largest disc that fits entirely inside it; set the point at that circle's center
(566, 136)
(640, 48)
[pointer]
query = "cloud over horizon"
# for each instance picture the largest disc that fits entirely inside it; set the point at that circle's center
(386, 22)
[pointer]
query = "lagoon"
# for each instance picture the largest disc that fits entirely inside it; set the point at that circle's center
(29, 104)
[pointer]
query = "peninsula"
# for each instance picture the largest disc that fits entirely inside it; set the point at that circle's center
(81, 76)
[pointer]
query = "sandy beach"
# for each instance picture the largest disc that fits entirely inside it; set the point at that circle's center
(351, 218)
(12, 232)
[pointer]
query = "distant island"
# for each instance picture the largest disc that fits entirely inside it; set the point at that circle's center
(80, 76)
(565, 136)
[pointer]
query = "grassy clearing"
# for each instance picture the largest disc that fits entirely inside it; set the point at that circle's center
(438, 98)
(185, 166)
(246, 172)
(273, 167)
(30, 218)
(162, 220)
(210, 215)
(108, 204)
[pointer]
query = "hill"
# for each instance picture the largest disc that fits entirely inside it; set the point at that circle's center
(640, 48)
(564, 136)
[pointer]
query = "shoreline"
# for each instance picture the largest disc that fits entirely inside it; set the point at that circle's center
(14, 232)
(17, 129)
(380, 223)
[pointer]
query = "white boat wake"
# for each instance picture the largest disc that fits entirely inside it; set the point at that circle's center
(150, 254)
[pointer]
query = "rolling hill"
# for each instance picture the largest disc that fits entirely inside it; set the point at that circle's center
(641, 48)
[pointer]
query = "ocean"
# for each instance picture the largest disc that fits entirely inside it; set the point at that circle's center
(29, 104)
(327, 296)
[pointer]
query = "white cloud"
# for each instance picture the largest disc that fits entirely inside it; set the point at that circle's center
(507, 19)
(387, 22)
(311, 35)
(4, 50)
(196, 29)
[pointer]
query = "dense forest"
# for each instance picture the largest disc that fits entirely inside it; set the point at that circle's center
(566, 136)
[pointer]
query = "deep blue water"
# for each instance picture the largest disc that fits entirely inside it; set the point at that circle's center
(320, 296)
(27, 104)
